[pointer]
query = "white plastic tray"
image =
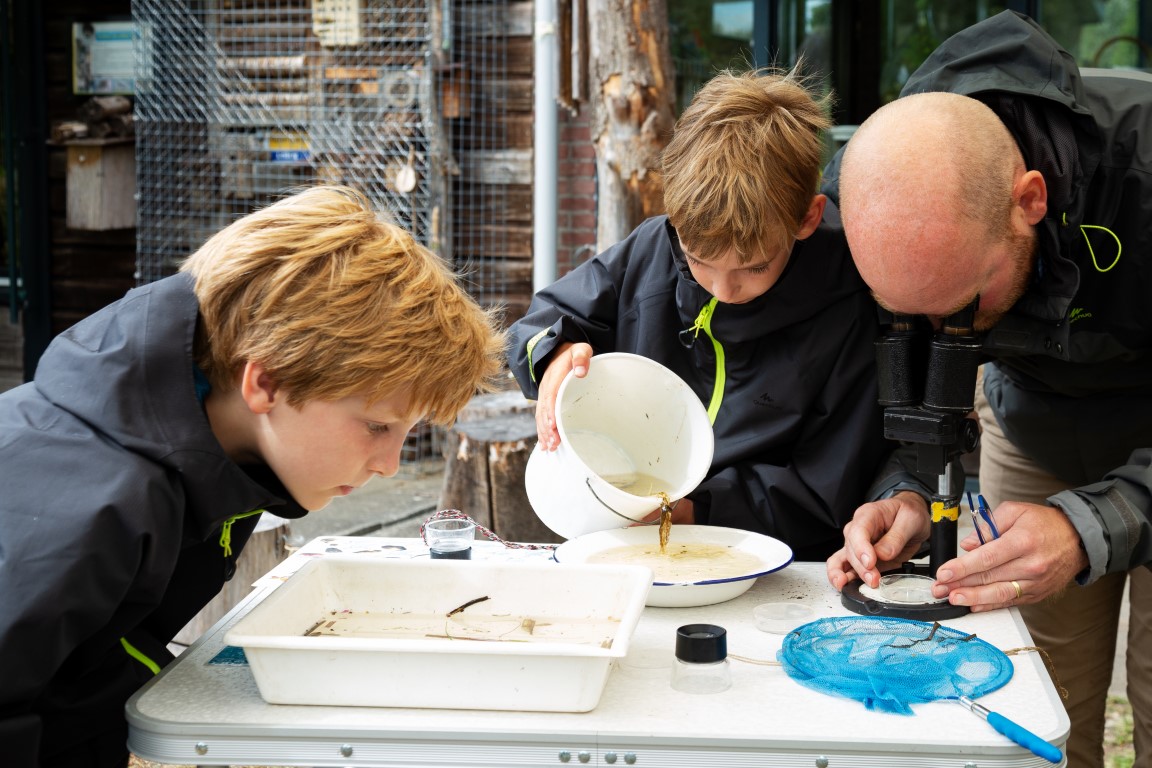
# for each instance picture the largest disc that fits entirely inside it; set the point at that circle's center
(358, 631)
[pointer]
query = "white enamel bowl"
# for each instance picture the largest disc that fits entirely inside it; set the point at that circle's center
(771, 554)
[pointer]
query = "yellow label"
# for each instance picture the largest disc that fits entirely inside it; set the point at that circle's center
(290, 141)
(940, 512)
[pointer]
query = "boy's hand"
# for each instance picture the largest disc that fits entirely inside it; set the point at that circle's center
(568, 357)
(881, 535)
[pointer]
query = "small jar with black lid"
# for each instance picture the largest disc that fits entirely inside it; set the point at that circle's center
(701, 659)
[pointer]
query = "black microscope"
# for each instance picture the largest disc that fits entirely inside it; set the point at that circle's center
(927, 384)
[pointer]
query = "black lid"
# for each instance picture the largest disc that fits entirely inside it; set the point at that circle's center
(701, 643)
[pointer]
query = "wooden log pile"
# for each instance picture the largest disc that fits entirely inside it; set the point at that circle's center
(100, 117)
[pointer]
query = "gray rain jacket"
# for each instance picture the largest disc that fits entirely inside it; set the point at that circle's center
(114, 493)
(798, 430)
(1071, 374)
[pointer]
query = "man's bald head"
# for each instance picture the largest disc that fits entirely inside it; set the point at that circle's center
(926, 192)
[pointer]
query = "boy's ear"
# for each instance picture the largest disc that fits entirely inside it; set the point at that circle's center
(257, 388)
(812, 218)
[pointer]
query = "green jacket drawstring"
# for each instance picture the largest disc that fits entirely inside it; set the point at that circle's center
(226, 542)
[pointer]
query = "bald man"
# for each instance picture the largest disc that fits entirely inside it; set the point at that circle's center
(1003, 174)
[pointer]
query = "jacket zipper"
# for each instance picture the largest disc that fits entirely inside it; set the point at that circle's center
(704, 323)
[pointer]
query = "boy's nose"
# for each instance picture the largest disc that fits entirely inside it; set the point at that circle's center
(725, 289)
(387, 462)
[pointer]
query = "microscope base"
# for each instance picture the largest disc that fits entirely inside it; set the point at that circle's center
(855, 601)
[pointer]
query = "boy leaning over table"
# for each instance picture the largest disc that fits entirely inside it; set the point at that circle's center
(746, 294)
(282, 366)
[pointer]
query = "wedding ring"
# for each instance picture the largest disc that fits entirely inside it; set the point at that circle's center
(1019, 592)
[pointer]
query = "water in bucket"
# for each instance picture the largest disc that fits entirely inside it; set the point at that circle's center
(629, 430)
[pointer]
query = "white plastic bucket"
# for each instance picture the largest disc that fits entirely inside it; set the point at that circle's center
(628, 429)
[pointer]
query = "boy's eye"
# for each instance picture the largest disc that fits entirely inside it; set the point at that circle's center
(760, 269)
(376, 428)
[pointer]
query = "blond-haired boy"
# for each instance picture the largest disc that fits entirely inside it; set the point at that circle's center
(283, 366)
(744, 293)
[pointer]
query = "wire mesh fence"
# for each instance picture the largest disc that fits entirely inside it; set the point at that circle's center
(240, 101)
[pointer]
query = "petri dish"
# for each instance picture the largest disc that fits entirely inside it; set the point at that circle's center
(781, 618)
(908, 588)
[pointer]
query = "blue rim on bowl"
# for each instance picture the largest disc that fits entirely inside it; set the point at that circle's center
(772, 555)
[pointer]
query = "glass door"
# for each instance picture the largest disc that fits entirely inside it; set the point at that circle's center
(866, 49)
(707, 37)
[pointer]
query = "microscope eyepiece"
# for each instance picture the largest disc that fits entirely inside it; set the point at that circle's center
(961, 323)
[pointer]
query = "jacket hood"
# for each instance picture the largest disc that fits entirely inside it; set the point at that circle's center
(138, 389)
(1007, 53)
(1035, 86)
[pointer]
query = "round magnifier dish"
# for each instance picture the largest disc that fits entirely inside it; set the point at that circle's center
(908, 588)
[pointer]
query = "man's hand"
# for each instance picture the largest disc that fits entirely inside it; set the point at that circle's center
(568, 357)
(882, 535)
(1038, 549)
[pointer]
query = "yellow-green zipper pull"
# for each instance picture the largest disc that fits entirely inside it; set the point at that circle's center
(688, 337)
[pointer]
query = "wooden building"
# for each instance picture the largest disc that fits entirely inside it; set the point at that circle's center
(472, 158)
(65, 273)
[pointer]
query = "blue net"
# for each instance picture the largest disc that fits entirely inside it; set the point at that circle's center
(890, 664)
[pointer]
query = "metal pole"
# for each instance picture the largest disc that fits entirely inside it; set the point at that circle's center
(545, 140)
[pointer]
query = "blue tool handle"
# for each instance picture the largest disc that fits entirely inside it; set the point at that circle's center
(1025, 738)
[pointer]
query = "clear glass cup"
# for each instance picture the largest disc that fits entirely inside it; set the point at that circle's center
(450, 538)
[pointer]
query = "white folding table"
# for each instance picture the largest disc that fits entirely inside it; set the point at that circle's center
(204, 712)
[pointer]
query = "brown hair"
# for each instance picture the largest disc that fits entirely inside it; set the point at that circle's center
(335, 300)
(744, 163)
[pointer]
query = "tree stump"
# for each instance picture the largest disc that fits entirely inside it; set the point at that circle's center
(485, 457)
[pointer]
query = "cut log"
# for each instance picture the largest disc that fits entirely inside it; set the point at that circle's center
(122, 125)
(100, 108)
(485, 457)
(68, 129)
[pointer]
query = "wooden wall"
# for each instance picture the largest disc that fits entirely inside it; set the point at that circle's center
(89, 268)
(491, 226)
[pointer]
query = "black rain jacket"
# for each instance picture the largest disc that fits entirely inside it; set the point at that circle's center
(798, 435)
(114, 494)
